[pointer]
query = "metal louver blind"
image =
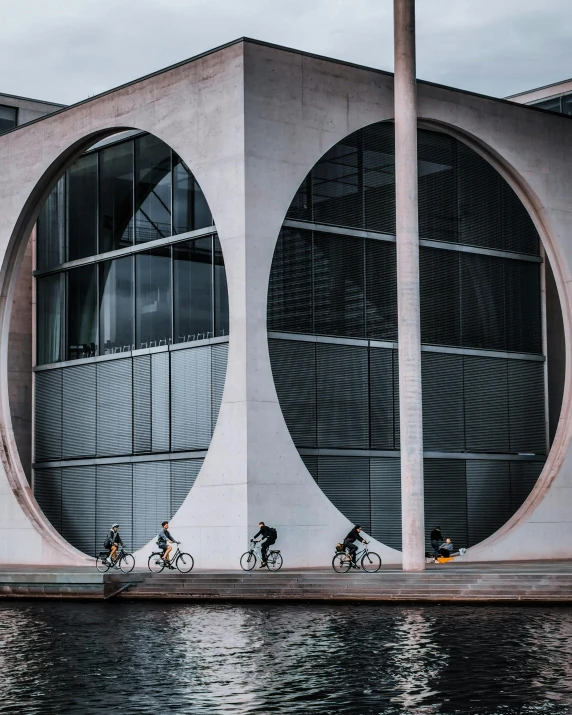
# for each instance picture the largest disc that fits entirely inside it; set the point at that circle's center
(443, 404)
(337, 184)
(78, 508)
(437, 166)
(381, 397)
(191, 399)
(482, 301)
(381, 290)
(114, 502)
(479, 200)
(219, 360)
(445, 488)
(183, 475)
(396, 414)
(379, 177)
(160, 390)
(339, 300)
(345, 481)
(114, 408)
(290, 305)
(523, 477)
(488, 498)
(486, 404)
(519, 232)
(48, 494)
(48, 415)
(79, 411)
(385, 487)
(342, 382)
(523, 307)
(294, 369)
(151, 499)
(141, 404)
(311, 464)
(526, 406)
(440, 296)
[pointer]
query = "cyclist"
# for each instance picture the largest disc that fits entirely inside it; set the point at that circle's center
(269, 534)
(354, 535)
(112, 542)
(163, 542)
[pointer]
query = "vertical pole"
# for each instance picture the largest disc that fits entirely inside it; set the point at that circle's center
(405, 90)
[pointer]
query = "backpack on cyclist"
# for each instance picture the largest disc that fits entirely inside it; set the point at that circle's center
(107, 544)
(273, 532)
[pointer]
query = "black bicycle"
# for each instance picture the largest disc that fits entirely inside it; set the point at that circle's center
(370, 561)
(249, 558)
(182, 561)
(125, 561)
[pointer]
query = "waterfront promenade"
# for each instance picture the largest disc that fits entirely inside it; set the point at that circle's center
(504, 582)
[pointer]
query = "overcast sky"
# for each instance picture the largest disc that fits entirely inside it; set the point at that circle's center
(66, 50)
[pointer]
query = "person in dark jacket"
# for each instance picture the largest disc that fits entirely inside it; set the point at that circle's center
(164, 541)
(354, 535)
(269, 536)
(112, 542)
(436, 540)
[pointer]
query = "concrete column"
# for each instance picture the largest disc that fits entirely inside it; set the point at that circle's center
(412, 508)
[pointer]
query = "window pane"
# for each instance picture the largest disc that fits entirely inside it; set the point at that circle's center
(49, 318)
(8, 117)
(190, 209)
(152, 189)
(82, 208)
(82, 307)
(192, 261)
(567, 104)
(116, 306)
(153, 298)
(221, 292)
(553, 104)
(51, 228)
(116, 197)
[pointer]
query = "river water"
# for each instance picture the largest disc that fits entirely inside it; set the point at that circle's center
(185, 658)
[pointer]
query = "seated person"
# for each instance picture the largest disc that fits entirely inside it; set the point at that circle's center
(269, 534)
(446, 548)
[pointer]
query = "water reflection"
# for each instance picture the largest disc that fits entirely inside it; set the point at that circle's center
(198, 659)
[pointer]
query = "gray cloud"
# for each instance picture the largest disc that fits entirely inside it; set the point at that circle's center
(71, 49)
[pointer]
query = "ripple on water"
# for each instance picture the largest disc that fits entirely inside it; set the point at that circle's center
(382, 660)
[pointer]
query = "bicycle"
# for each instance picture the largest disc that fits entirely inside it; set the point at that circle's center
(249, 558)
(125, 561)
(182, 561)
(370, 561)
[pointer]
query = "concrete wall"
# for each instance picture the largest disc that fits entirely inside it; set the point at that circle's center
(250, 121)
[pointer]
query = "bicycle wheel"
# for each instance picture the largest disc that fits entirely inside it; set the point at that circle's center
(101, 563)
(371, 562)
(184, 562)
(341, 563)
(274, 562)
(156, 563)
(248, 561)
(127, 563)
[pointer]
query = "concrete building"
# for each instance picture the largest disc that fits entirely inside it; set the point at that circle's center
(216, 316)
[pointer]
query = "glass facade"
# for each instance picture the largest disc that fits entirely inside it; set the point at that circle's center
(132, 392)
(481, 329)
(561, 104)
(119, 198)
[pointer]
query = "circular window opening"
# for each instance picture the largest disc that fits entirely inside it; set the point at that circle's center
(483, 366)
(131, 333)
